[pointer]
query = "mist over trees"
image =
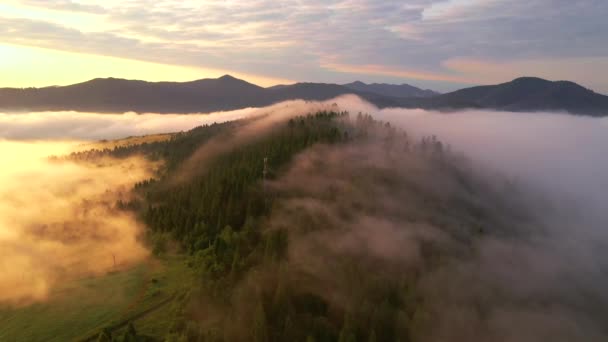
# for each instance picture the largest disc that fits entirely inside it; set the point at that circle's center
(333, 226)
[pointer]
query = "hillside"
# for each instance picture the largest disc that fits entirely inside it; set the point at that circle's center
(229, 93)
(393, 90)
(118, 95)
(340, 236)
(521, 94)
(206, 95)
(314, 224)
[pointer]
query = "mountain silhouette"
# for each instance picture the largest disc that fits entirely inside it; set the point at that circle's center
(108, 95)
(393, 90)
(521, 94)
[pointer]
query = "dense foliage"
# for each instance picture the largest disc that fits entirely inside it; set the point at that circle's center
(219, 213)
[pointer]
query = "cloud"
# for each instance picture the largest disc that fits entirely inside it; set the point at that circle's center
(92, 126)
(261, 121)
(501, 240)
(397, 72)
(294, 40)
(66, 5)
(58, 218)
(456, 10)
(557, 151)
(538, 183)
(504, 244)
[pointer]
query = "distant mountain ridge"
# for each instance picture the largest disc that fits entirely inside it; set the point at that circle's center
(521, 94)
(120, 95)
(393, 90)
(108, 95)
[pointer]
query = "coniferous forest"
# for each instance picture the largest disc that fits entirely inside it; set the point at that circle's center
(327, 226)
(303, 171)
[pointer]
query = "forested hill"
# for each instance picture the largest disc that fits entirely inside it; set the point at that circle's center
(394, 90)
(111, 95)
(329, 227)
(229, 93)
(520, 95)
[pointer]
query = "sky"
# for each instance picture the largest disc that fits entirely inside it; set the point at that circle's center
(439, 44)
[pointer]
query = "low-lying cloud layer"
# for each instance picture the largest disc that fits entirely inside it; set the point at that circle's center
(91, 126)
(506, 244)
(262, 121)
(58, 218)
(560, 152)
(507, 247)
(544, 281)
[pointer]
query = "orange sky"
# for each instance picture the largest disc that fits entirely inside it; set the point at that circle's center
(440, 44)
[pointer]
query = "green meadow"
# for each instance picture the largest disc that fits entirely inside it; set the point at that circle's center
(80, 309)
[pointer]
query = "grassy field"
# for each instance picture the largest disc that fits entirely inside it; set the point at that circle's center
(82, 308)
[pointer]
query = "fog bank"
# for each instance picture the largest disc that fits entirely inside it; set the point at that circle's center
(96, 126)
(543, 281)
(58, 219)
(501, 247)
(560, 152)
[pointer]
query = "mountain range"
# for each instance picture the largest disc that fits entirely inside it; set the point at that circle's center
(228, 93)
(393, 90)
(521, 94)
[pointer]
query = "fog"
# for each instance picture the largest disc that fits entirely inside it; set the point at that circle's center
(96, 126)
(58, 221)
(561, 152)
(260, 121)
(556, 150)
(516, 216)
(534, 185)
(537, 272)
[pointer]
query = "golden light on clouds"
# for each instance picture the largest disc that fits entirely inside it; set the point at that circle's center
(487, 71)
(22, 67)
(80, 20)
(264, 43)
(382, 70)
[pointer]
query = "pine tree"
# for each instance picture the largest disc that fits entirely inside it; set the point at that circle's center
(372, 336)
(260, 325)
(347, 333)
(104, 336)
